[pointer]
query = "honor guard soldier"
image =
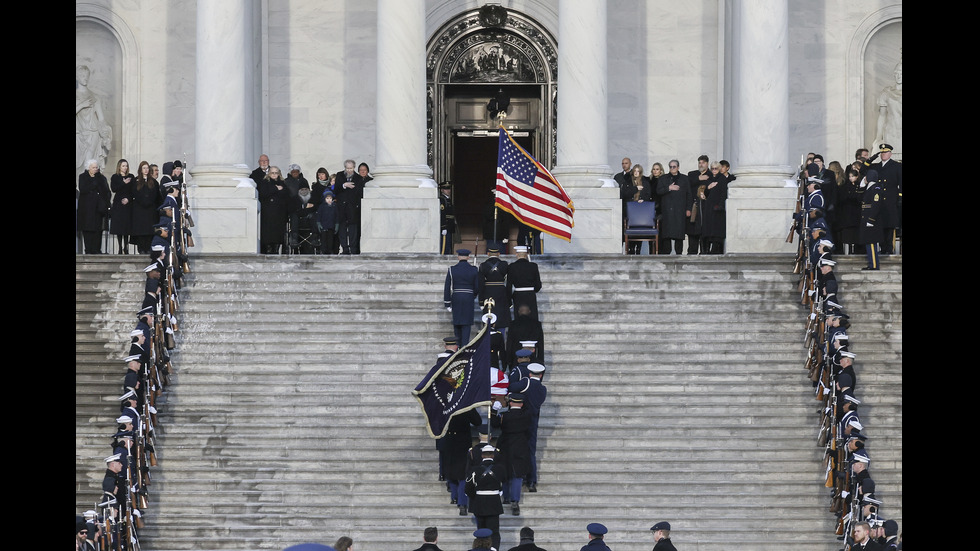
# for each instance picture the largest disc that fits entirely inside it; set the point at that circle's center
(458, 295)
(455, 446)
(535, 394)
(483, 538)
(525, 328)
(870, 232)
(483, 486)
(596, 534)
(890, 177)
(661, 535)
(447, 218)
(523, 282)
(493, 284)
(515, 447)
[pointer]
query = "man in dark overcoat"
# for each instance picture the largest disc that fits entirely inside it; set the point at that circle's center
(458, 295)
(676, 200)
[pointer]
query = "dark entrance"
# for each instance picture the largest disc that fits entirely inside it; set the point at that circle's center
(474, 177)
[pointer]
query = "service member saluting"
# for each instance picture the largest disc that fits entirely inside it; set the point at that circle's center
(458, 295)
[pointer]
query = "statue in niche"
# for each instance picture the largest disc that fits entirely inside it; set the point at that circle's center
(93, 136)
(889, 128)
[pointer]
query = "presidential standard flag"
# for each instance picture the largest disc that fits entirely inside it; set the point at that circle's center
(527, 190)
(459, 384)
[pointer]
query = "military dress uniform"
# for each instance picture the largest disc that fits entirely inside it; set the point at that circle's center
(515, 446)
(870, 232)
(447, 221)
(492, 283)
(483, 487)
(890, 178)
(523, 283)
(458, 295)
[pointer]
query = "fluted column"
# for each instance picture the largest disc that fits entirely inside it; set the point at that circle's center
(221, 195)
(582, 129)
(400, 210)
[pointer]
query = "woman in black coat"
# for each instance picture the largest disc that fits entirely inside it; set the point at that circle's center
(275, 206)
(93, 206)
(121, 222)
(146, 201)
(849, 209)
(715, 193)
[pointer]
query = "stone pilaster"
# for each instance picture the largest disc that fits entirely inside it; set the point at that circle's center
(400, 210)
(582, 134)
(222, 197)
(761, 200)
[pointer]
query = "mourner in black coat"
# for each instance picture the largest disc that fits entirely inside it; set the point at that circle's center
(121, 221)
(349, 190)
(716, 195)
(93, 207)
(275, 204)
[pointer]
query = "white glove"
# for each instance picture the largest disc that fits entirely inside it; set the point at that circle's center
(844, 494)
(504, 241)
(497, 406)
(443, 232)
(868, 225)
(449, 308)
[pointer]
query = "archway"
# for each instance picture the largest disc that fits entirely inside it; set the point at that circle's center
(472, 58)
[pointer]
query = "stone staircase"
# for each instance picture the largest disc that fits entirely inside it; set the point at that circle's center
(676, 391)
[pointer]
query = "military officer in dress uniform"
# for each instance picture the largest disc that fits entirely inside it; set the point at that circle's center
(870, 232)
(482, 538)
(456, 444)
(492, 283)
(596, 534)
(890, 178)
(535, 394)
(523, 282)
(661, 536)
(525, 328)
(447, 218)
(483, 487)
(458, 295)
(515, 447)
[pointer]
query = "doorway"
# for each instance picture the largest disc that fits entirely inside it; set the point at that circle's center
(474, 177)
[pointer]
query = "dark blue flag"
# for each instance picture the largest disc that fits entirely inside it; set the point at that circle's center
(455, 386)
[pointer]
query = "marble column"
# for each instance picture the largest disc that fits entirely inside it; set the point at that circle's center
(761, 200)
(400, 209)
(582, 134)
(221, 195)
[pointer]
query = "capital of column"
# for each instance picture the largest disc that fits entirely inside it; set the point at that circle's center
(403, 176)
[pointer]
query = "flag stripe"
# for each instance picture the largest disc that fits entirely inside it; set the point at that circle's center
(528, 191)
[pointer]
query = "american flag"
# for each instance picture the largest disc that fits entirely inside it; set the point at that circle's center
(529, 192)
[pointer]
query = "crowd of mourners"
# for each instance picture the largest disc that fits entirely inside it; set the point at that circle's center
(858, 508)
(115, 520)
(298, 217)
(687, 205)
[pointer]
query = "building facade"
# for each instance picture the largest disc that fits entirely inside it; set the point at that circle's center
(403, 85)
